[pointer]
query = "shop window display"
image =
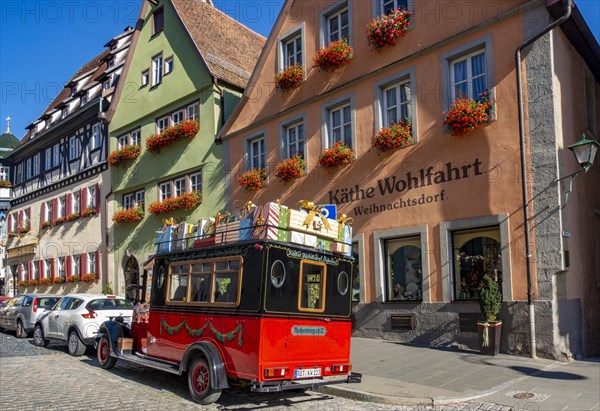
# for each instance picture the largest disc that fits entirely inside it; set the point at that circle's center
(403, 269)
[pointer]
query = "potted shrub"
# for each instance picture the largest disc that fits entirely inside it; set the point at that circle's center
(128, 216)
(333, 56)
(290, 168)
(290, 78)
(253, 180)
(466, 115)
(338, 155)
(490, 301)
(186, 129)
(128, 152)
(394, 136)
(385, 30)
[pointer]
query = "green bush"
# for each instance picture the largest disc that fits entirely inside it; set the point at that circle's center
(107, 289)
(490, 298)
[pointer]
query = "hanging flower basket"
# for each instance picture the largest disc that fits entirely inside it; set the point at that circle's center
(58, 280)
(128, 152)
(253, 180)
(46, 224)
(333, 56)
(32, 282)
(338, 155)
(88, 212)
(59, 220)
(74, 279)
(394, 136)
(5, 184)
(290, 78)
(290, 168)
(45, 281)
(186, 129)
(72, 217)
(23, 283)
(385, 30)
(128, 216)
(187, 201)
(88, 278)
(466, 115)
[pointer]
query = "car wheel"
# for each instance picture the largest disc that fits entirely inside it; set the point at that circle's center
(38, 337)
(20, 331)
(103, 354)
(199, 382)
(76, 346)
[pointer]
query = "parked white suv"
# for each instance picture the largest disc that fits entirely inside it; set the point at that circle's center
(75, 320)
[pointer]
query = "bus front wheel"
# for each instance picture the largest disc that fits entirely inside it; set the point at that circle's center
(199, 382)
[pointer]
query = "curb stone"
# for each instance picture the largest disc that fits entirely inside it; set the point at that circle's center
(370, 397)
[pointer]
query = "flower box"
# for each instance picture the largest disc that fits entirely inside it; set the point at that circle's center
(23, 230)
(88, 212)
(394, 136)
(74, 279)
(338, 155)
(466, 115)
(88, 278)
(128, 216)
(290, 78)
(5, 184)
(32, 282)
(186, 129)
(72, 217)
(333, 56)
(58, 280)
(59, 220)
(46, 224)
(253, 180)
(23, 283)
(45, 281)
(290, 168)
(128, 152)
(385, 30)
(187, 201)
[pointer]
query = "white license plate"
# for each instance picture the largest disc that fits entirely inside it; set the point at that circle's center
(307, 372)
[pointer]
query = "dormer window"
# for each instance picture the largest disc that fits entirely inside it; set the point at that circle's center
(111, 63)
(84, 99)
(158, 20)
(73, 90)
(106, 85)
(64, 113)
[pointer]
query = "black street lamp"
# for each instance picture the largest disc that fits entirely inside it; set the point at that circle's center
(585, 151)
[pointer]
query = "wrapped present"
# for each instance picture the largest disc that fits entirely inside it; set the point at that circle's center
(206, 227)
(298, 237)
(323, 244)
(204, 242)
(180, 234)
(268, 220)
(313, 223)
(244, 210)
(246, 229)
(227, 230)
(310, 240)
(341, 248)
(164, 240)
(191, 235)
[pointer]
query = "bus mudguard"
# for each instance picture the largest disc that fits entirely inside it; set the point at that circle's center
(113, 330)
(218, 377)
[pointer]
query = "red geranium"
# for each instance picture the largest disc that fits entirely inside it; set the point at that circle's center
(187, 129)
(45, 281)
(394, 136)
(384, 30)
(340, 154)
(88, 278)
(290, 78)
(32, 282)
(254, 179)
(187, 201)
(72, 217)
(466, 115)
(5, 184)
(58, 280)
(290, 168)
(128, 152)
(333, 56)
(46, 224)
(88, 212)
(129, 215)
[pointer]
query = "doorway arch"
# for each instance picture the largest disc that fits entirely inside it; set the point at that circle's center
(132, 279)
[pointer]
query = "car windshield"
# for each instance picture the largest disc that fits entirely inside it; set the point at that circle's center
(109, 304)
(45, 301)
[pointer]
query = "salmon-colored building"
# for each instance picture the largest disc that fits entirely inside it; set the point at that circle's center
(435, 215)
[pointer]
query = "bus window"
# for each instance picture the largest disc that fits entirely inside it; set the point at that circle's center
(227, 285)
(201, 287)
(312, 286)
(179, 285)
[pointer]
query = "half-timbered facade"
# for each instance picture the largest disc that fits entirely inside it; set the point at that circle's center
(60, 181)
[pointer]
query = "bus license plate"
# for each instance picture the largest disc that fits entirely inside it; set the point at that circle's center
(307, 372)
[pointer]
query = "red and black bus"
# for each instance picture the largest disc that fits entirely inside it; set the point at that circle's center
(264, 314)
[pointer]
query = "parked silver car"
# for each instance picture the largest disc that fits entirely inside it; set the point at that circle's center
(21, 312)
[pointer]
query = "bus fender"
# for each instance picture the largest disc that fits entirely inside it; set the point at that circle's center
(113, 330)
(218, 376)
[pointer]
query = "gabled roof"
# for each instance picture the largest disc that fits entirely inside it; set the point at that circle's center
(229, 48)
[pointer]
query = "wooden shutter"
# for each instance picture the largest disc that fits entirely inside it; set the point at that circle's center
(10, 218)
(68, 267)
(83, 200)
(20, 221)
(52, 269)
(83, 269)
(30, 216)
(69, 204)
(97, 198)
(98, 264)
(29, 270)
(43, 213)
(54, 210)
(40, 269)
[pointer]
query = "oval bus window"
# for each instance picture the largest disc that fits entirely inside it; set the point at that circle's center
(161, 276)
(277, 274)
(342, 283)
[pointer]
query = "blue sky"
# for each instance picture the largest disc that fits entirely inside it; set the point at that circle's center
(43, 43)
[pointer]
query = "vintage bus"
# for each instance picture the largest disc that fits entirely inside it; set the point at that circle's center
(266, 314)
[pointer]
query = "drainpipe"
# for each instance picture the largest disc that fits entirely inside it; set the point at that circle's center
(556, 23)
(222, 100)
(104, 207)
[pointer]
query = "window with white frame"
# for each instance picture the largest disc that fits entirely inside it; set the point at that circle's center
(387, 6)
(20, 173)
(403, 270)
(177, 117)
(24, 272)
(26, 217)
(4, 173)
(61, 207)
(256, 153)
(60, 266)
(145, 77)
(168, 65)
(34, 270)
(76, 198)
(193, 111)
(165, 191)
(179, 187)
(127, 201)
(56, 155)
(73, 148)
(292, 50)
(91, 263)
(76, 265)
(47, 268)
(64, 113)
(91, 197)
(161, 124)
(95, 136)
(28, 168)
(139, 198)
(340, 125)
(106, 85)
(84, 97)
(396, 104)
(157, 69)
(48, 216)
(294, 139)
(195, 182)
(468, 76)
(135, 137)
(338, 25)
(48, 159)
(36, 164)
(122, 141)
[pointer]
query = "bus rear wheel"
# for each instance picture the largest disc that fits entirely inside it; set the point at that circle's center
(103, 354)
(199, 382)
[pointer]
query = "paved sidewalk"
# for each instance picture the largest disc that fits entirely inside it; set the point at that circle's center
(399, 374)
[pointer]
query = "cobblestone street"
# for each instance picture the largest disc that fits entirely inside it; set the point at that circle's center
(33, 378)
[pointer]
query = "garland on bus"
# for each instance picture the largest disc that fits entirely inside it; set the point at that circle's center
(222, 337)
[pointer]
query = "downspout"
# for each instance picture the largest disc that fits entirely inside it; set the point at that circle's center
(221, 101)
(556, 23)
(104, 207)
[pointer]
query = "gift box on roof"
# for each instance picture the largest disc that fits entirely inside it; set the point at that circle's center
(244, 210)
(246, 229)
(191, 235)
(323, 244)
(164, 241)
(301, 238)
(227, 230)
(313, 223)
(204, 242)
(180, 235)
(269, 220)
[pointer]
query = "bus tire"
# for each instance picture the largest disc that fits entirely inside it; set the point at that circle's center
(199, 382)
(105, 360)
